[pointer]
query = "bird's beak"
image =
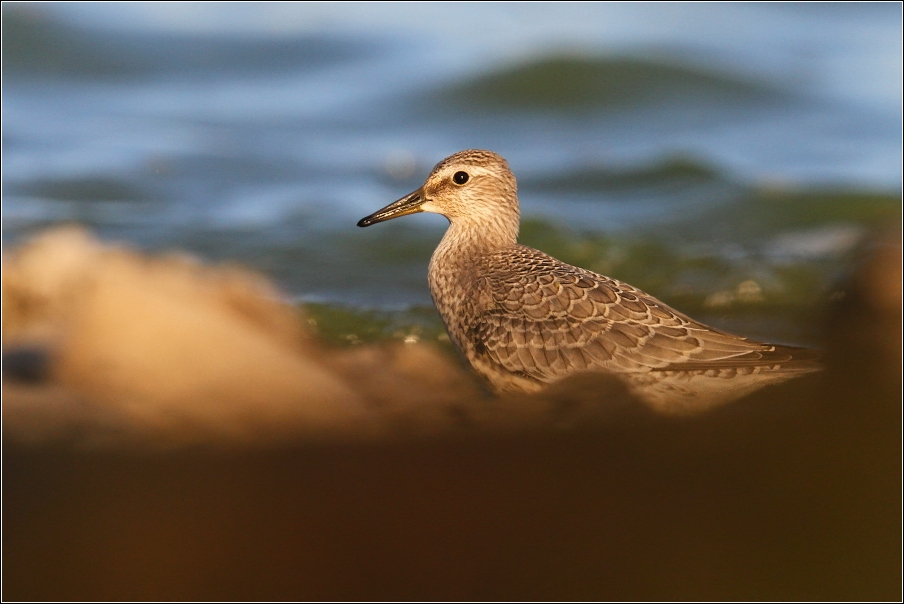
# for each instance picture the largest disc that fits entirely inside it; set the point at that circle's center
(410, 204)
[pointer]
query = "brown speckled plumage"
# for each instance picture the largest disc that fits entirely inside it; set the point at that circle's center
(524, 319)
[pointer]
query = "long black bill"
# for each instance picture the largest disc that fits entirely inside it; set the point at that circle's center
(409, 204)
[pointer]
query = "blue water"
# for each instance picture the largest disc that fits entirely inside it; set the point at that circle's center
(261, 133)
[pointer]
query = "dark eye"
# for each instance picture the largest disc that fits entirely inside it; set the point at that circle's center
(460, 178)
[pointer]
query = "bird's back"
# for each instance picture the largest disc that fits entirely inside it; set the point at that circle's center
(525, 319)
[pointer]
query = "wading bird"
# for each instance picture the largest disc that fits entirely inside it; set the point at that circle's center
(524, 319)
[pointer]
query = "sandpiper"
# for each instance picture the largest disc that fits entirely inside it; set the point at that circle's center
(525, 320)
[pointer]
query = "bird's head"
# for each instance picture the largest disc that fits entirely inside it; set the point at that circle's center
(473, 189)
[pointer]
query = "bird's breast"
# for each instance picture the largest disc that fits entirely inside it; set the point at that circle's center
(455, 288)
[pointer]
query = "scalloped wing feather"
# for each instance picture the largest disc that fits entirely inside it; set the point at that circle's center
(544, 319)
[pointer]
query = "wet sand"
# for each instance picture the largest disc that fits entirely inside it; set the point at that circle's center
(426, 487)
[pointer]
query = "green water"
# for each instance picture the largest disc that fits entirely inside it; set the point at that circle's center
(773, 286)
(577, 84)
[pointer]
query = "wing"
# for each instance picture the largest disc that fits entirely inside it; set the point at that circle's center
(545, 319)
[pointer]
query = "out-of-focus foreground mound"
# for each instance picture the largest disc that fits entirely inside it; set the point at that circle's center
(161, 347)
(791, 493)
(105, 345)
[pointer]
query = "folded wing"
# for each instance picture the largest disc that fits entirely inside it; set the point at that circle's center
(544, 319)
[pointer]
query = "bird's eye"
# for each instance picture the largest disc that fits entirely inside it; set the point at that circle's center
(460, 178)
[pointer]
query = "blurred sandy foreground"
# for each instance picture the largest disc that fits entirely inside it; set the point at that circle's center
(105, 346)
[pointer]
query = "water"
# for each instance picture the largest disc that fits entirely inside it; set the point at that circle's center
(662, 143)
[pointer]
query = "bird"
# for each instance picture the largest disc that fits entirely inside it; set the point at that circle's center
(525, 320)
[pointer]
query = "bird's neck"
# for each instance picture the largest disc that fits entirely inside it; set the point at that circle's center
(466, 240)
(457, 261)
